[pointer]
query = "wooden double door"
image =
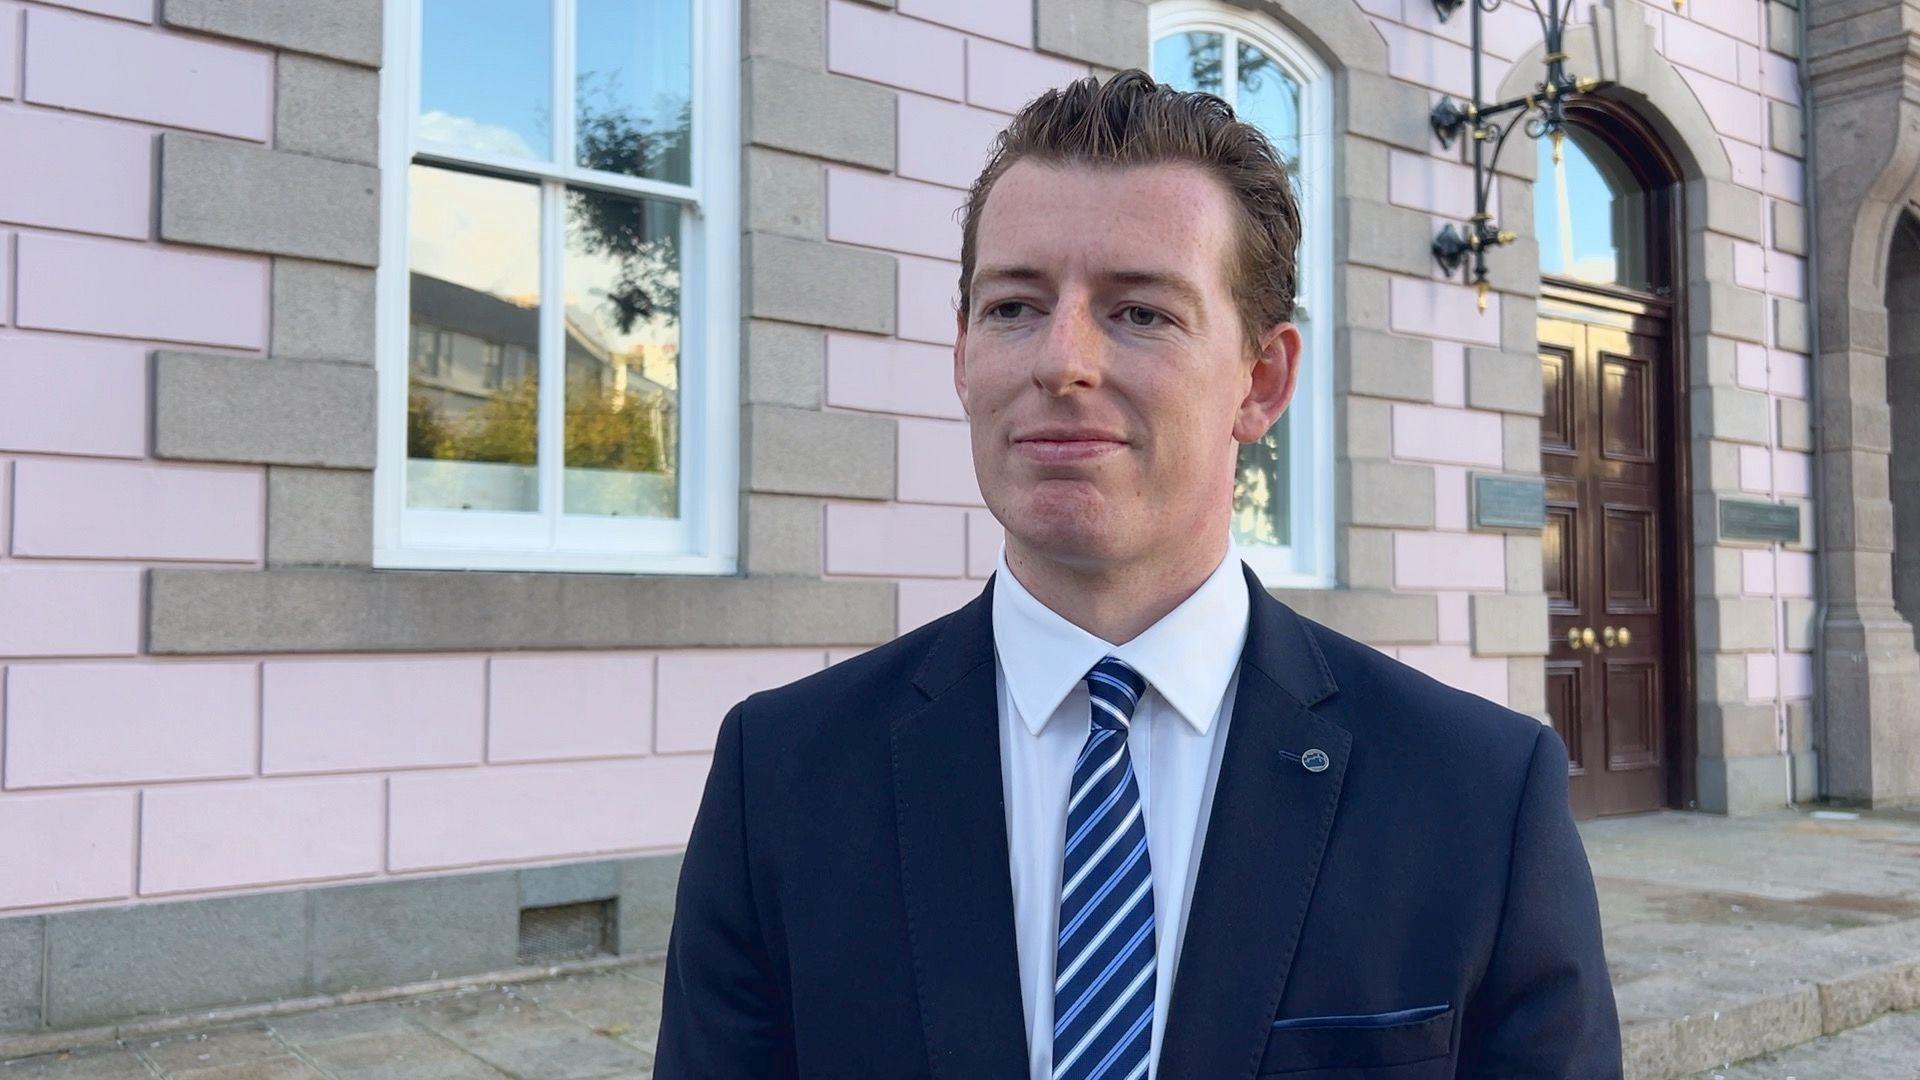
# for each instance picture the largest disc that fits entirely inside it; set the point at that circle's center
(1612, 558)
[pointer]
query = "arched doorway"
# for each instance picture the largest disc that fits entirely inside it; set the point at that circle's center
(1903, 401)
(1616, 549)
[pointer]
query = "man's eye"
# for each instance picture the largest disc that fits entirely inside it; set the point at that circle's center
(998, 310)
(1136, 310)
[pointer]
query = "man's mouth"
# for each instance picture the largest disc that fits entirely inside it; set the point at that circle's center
(1049, 450)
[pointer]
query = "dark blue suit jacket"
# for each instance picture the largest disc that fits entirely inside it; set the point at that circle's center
(1421, 907)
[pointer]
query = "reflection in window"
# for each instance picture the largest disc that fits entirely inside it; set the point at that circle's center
(1590, 213)
(1262, 488)
(622, 355)
(1190, 61)
(486, 82)
(562, 371)
(1270, 99)
(633, 97)
(1263, 91)
(473, 371)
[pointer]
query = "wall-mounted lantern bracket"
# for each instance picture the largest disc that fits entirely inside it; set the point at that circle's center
(1541, 111)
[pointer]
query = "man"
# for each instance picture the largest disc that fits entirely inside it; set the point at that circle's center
(1125, 814)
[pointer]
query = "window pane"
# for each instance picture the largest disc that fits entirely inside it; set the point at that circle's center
(486, 76)
(634, 90)
(1262, 491)
(1269, 100)
(473, 253)
(1606, 242)
(1189, 61)
(623, 355)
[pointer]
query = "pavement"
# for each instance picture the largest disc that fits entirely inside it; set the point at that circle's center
(1732, 938)
(572, 1027)
(1780, 945)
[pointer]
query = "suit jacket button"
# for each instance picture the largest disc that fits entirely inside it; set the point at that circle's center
(1315, 760)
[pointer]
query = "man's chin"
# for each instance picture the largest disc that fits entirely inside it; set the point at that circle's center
(1065, 537)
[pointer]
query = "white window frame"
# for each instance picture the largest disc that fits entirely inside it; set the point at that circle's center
(704, 538)
(1309, 561)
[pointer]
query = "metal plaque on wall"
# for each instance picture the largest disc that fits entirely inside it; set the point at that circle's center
(1516, 503)
(1753, 519)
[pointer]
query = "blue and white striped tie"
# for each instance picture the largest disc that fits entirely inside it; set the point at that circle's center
(1104, 960)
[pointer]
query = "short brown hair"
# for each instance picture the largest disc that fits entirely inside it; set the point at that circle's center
(1131, 120)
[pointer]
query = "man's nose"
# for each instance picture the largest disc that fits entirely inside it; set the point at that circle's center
(1073, 352)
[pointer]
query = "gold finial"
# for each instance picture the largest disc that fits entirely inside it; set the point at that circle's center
(1506, 236)
(1585, 84)
(1676, 5)
(1557, 136)
(1480, 295)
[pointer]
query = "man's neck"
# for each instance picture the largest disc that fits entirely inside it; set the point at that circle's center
(1116, 602)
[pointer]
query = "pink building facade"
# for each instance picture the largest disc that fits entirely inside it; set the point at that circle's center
(420, 422)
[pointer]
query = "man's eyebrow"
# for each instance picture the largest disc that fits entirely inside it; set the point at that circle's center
(1175, 283)
(987, 275)
(1169, 280)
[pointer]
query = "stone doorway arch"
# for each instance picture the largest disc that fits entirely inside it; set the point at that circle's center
(1729, 760)
(1863, 61)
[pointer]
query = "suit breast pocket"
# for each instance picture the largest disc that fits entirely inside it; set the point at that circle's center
(1370, 1040)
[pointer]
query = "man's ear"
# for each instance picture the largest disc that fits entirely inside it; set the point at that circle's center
(1275, 375)
(960, 359)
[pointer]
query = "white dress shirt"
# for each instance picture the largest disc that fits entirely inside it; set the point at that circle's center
(1190, 660)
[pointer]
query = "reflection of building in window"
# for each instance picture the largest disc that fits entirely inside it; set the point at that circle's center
(1591, 219)
(468, 344)
(616, 400)
(471, 347)
(647, 367)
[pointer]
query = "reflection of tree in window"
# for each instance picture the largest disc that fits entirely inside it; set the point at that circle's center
(1261, 498)
(1199, 69)
(621, 394)
(615, 139)
(611, 225)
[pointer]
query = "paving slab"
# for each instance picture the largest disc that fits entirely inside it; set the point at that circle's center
(519, 1037)
(87, 1063)
(405, 1055)
(583, 1026)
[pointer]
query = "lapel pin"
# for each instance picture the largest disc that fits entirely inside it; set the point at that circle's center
(1314, 760)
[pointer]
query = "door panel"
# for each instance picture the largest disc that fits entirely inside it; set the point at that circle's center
(1607, 556)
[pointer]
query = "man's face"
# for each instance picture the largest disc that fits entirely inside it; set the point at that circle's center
(1103, 365)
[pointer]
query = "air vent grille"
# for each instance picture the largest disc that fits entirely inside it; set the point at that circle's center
(549, 935)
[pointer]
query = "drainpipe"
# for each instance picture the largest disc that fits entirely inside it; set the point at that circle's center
(1816, 708)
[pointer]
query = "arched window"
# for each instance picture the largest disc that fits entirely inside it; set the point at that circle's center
(1283, 493)
(1605, 243)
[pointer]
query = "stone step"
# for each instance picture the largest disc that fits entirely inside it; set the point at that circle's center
(1678, 1023)
(1888, 1047)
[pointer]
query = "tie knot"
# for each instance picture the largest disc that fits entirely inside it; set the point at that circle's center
(1116, 690)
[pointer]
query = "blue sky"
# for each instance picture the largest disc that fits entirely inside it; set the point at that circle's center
(486, 67)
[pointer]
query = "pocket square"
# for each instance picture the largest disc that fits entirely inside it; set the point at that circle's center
(1385, 1019)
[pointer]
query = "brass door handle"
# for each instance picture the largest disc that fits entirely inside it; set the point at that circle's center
(1581, 637)
(1616, 637)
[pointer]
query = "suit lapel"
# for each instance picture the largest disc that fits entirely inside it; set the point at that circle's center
(950, 809)
(1269, 826)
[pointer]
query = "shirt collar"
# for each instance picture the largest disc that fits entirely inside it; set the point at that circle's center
(1187, 657)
